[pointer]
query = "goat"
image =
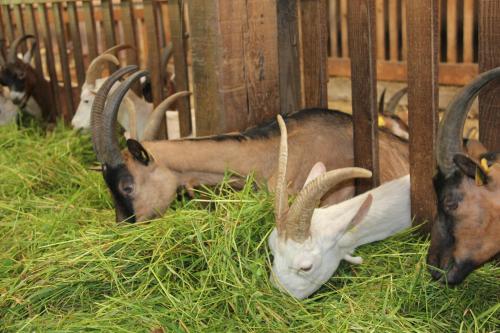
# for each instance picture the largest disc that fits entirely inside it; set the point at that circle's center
(466, 232)
(144, 178)
(27, 88)
(395, 123)
(8, 110)
(308, 243)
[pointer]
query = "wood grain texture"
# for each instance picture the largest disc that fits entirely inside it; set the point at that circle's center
(32, 28)
(129, 29)
(380, 23)
(364, 89)
(63, 56)
(334, 30)
(74, 28)
(468, 30)
(288, 56)
(489, 57)
(7, 22)
(393, 30)
(19, 21)
(314, 53)
(90, 29)
(422, 105)
(344, 28)
(451, 31)
(404, 32)
(179, 40)
(108, 21)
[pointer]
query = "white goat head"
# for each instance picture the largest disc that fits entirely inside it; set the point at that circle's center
(309, 243)
(93, 81)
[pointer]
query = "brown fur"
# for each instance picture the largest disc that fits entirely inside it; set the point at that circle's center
(193, 162)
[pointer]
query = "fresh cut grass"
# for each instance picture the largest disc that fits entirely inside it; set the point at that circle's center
(66, 266)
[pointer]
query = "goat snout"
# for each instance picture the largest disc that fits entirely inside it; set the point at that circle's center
(17, 97)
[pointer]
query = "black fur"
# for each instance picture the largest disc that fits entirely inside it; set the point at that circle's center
(123, 204)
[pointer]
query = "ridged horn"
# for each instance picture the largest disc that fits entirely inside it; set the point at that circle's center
(119, 47)
(111, 152)
(97, 66)
(97, 113)
(158, 115)
(394, 101)
(299, 216)
(449, 138)
(381, 102)
(12, 54)
(281, 195)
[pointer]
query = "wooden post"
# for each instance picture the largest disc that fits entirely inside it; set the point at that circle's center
(361, 14)
(90, 30)
(33, 29)
(489, 57)
(422, 18)
(77, 42)
(108, 22)
(178, 37)
(314, 53)
(235, 63)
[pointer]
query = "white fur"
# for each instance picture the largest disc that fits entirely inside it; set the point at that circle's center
(333, 238)
(8, 111)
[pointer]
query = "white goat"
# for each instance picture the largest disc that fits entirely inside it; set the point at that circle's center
(308, 243)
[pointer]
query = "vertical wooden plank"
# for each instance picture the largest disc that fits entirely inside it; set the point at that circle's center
(46, 34)
(18, 15)
(32, 28)
(489, 57)
(7, 20)
(288, 56)
(178, 38)
(129, 28)
(344, 28)
(314, 53)
(393, 30)
(77, 42)
(404, 33)
(153, 50)
(468, 31)
(380, 23)
(451, 31)
(422, 18)
(333, 10)
(90, 28)
(364, 89)
(61, 41)
(261, 61)
(108, 20)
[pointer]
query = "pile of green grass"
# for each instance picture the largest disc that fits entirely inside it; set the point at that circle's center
(65, 266)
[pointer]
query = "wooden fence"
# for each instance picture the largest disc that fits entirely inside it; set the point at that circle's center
(458, 47)
(72, 33)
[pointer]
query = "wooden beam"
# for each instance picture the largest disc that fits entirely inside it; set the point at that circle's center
(489, 57)
(468, 30)
(451, 31)
(76, 41)
(32, 28)
(333, 10)
(108, 22)
(362, 49)
(179, 40)
(422, 18)
(314, 53)
(90, 29)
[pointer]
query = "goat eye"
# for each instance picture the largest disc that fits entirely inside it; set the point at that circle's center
(128, 189)
(86, 101)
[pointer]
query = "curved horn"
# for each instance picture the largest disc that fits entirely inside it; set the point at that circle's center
(111, 152)
(158, 115)
(119, 47)
(281, 195)
(394, 101)
(97, 113)
(97, 66)
(12, 54)
(28, 55)
(166, 55)
(300, 214)
(451, 127)
(381, 102)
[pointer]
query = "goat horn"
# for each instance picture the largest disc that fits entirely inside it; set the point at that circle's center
(281, 195)
(449, 138)
(12, 54)
(158, 115)
(111, 149)
(166, 55)
(381, 102)
(97, 114)
(394, 101)
(97, 66)
(300, 214)
(119, 47)
(27, 57)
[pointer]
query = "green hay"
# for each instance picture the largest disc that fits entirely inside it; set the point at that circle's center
(65, 266)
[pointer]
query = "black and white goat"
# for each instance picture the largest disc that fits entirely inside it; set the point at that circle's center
(144, 178)
(309, 243)
(466, 233)
(27, 88)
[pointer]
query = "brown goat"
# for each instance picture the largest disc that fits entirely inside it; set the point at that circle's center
(143, 179)
(466, 233)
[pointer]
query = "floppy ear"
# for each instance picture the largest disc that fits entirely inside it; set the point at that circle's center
(139, 153)
(471, 168)
(361, 214)
(317, 170)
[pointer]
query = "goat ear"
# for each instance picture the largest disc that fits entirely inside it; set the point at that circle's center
(317, 170)
(139, 153)
(475, 148)
(361, 214)
(471, 168)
